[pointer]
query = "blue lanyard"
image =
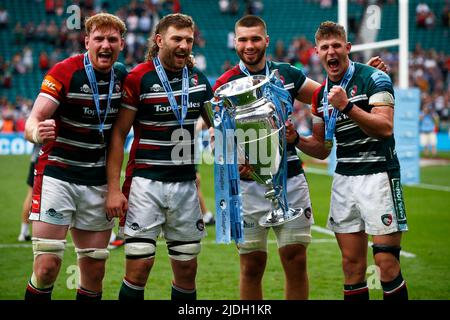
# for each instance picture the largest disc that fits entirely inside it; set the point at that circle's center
(330, 121)
(93, 82)
(184, 90)
(247, 73)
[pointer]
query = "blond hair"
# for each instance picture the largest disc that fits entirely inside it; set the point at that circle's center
(328, 29)
(103, 21)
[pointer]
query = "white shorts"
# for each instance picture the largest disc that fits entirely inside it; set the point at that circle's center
(63, 203)
(172, 207)
(428, 139)
(362, 203)
(255, 205)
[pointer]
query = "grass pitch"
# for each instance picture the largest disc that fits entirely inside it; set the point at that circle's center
(427, 272)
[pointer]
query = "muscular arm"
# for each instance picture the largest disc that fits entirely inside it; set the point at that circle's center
(305, 93)
(39, 128)
(116, 203)
(379, 123)
(312, 145)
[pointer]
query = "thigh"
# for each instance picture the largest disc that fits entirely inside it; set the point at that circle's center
(53, 201)
(297, 231)
(344, 216)
(146, 209)
(91, 213)
(377, 205)
(353, 246)
(184, 221)
(254, 206)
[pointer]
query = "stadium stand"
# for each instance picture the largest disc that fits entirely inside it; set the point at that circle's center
(41, 27)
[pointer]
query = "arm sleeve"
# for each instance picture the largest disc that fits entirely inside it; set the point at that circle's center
(53, 86)
(131, 92)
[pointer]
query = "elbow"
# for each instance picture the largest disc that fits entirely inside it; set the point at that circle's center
(386, 133)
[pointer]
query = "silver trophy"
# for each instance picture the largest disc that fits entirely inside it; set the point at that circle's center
(259, 140)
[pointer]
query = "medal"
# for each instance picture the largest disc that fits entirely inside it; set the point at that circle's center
(102, 137)
(329, 144)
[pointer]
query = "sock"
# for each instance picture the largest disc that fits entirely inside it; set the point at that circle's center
(34, 294)
(24, 229)
(395, 289)
(130, 291)
(88, 295)
(356, 292)
(183, 294)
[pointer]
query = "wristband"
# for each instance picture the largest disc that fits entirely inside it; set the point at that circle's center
(348, 107)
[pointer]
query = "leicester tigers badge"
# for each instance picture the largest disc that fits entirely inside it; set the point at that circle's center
(386, 219)
(354, 90)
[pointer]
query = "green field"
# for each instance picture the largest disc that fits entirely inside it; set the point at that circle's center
(427, 274)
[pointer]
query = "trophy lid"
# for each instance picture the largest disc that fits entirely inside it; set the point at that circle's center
(244, 90)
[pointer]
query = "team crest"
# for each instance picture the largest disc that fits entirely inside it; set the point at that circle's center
(307, 213)
(354, 90)
(282, 79)
(85, 88)
(200, 225)
(386, 219)
(194, 80)
(117, 88)
(156, 88)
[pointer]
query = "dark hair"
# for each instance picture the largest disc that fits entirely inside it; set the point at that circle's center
(177, 20)
(249, 21)
(328, 29)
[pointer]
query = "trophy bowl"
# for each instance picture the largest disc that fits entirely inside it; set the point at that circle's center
(259, 140)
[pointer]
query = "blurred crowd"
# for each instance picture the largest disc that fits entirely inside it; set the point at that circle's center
(429, 70)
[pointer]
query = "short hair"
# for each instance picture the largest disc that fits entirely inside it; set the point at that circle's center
(176, 20)
(328, 29)
(249, 21)
(105, 20)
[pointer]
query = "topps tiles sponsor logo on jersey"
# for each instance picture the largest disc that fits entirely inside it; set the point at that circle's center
(88, 111)
(161, 108)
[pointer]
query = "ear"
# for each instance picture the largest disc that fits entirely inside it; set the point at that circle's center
(159, 40)
(86, 42)
(317, 50)
(267, 41)
(122, 44)
(348, 46)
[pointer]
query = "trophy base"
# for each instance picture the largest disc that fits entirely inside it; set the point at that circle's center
(277, 217)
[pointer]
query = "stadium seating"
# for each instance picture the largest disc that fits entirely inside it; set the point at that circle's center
(286, 20)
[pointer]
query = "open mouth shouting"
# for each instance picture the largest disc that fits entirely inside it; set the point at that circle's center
(333, 64)
(104, 57)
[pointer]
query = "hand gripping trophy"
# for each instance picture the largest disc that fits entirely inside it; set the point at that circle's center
(249, 116)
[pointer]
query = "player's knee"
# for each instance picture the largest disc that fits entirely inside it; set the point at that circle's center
(46, 271)
(183, 251)
(354, 267)
(387, 259)
(253, 265)
(140, 248)
(294, 255)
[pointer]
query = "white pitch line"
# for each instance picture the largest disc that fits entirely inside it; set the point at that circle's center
(403, 253)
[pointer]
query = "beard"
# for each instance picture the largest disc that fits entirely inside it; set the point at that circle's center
(254, 61)
(172, 62)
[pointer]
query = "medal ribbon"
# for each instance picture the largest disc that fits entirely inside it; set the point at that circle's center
(93, 82)
(330, 120)
(168, 89)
